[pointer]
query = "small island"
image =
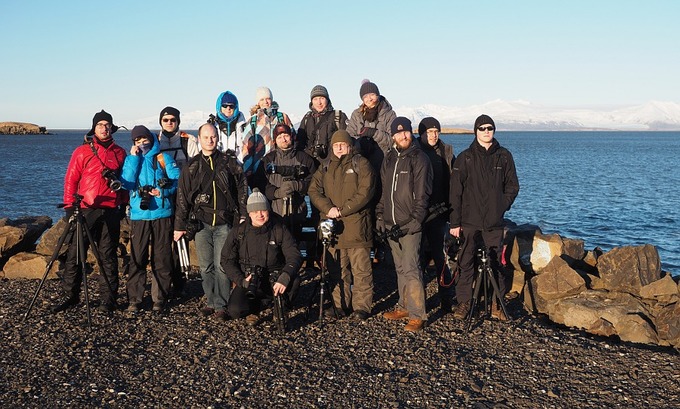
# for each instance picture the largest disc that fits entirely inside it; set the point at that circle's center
(21, 128)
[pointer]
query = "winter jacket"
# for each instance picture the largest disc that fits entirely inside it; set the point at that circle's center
(407, 185)
(483, 187)
(279, 167)
(213, 188)
(181, 146)
(259, 140)
(316, 129)
(270, 246)
(84, 175)
(231, 136)
(349, 184)
(378, 134)
(441, 157)
(145, 171)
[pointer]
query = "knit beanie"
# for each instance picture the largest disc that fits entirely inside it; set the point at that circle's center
(281, 128)
(169, 111)
(341, 136)
(263, 92)
(257, 201)
(428, 123)
(102, 116)
(367, 87)
(319, 91)
(400, 124)
(141, 131)
(481, 120)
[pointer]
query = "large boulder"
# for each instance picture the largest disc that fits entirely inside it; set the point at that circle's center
(629, 268)
(521, 239)
(21, 234)
(48, 241)
(605, 313)
(668, 325)
(545, 247)
(29, 265)
(557, 280)
(664, 290)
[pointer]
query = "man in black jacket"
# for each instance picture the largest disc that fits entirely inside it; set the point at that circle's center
(212, 190)
(483, 187)
(318, 125)
(258, 248)
(406, 175)
(441, 157)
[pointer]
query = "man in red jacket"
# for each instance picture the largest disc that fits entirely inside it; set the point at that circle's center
(92, 173)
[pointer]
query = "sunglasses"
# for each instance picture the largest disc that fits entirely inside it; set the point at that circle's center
(230, 106)
(485, 128)
(169, 119)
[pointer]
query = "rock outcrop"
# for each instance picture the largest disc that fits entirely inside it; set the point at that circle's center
(20, 235)
(21, 128)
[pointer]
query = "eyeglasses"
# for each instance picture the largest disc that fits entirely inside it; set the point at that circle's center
(103, 125)
(229, 106)
(485, 128)
(169, 120)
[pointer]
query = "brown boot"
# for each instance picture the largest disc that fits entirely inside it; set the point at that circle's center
(396, 314)
(414, 325)
(462, 310)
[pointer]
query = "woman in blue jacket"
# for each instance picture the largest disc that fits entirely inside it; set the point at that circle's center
(151, 177)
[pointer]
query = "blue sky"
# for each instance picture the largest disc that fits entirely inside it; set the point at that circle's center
(65, 60)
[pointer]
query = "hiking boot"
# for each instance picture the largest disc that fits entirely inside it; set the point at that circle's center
(133, 307)
(359, 315)
(222, 315)
(158, 306)
(497, 311)
(462, 310)
(330, 313)
(252, 319)
(70, 302)
(414, 325)
(397, 314)
(207, 311)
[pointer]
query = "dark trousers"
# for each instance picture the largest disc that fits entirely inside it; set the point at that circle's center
(493, 240)
(104, 225)
(434, 231)
(158, 235)
(240, 305)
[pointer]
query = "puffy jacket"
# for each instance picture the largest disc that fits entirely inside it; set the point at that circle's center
(84, 175)
(259, 140)
(271, 246)
(382, 135)
(139, 171)
(407, 186)
(220, 177)
(483, 187)
(277, 167)
(231, 136)
(347, 183)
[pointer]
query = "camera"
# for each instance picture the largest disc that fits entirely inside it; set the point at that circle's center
(256, 275)
(145, 194)
(164, 183)
(203, 198)
(193, 226)
(452, 246)
(327, 228)
(296, 172)
(112, 179)
(320, 151)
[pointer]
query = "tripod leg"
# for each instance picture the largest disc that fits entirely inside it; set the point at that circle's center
(82, 259)
(496, 291)
(475, 295)
(67, 230)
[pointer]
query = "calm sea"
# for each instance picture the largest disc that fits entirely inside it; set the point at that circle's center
(607, 188)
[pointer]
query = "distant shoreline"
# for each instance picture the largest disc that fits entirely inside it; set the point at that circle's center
(22, 128)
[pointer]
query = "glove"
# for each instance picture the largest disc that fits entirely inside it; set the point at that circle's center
(412, 227)
(285, 190)
(68, 212)
(367, 132)
(380, 225)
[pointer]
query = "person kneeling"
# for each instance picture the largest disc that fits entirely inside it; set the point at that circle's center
(257, 251)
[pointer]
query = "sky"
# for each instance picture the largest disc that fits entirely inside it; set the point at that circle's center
(65, 60)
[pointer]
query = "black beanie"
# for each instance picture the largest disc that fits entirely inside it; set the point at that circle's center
(428, 123)
(367, 87)
(169, 111)
(481, 120)
(400, 124)
(141, 131)
(102, 116)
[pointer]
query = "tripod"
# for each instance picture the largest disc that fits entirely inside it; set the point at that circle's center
(77, 226)
(322, 285)
(484, 278)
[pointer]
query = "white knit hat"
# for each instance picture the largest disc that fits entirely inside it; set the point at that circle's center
(263, 92)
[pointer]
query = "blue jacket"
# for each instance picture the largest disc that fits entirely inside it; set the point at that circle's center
(146, 170)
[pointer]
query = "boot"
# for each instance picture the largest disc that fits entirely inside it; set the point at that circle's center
(70, 302)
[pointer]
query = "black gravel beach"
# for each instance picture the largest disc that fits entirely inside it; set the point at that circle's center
(181, 359)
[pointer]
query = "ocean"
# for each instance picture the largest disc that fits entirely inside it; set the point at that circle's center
(609, 189)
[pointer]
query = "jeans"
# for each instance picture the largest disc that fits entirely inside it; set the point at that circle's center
(410, 281)
(216, 285)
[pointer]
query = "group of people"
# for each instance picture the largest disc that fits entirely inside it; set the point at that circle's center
(238, 189)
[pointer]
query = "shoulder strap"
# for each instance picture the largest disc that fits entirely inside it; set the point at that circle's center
(253, 123)
(337, 118)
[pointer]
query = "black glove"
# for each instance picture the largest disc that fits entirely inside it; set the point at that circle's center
(412, 227)
(367, 132)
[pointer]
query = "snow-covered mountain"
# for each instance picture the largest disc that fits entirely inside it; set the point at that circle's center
(511, 115)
